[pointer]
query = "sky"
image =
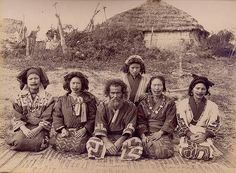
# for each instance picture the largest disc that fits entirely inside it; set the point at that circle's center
(213, 15)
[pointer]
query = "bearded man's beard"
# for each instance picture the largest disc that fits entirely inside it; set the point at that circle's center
(115, 103)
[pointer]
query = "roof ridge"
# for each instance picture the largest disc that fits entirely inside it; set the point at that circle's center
(158, 15)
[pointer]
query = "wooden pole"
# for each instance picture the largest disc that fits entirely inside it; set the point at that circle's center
(151, 38)
(27, 46)
(90, 26)
(63, 42)
(104, 8)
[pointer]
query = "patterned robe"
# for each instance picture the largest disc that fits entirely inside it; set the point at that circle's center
(153, 117)
(73, 115)
(140, 90)
(30, 112)
(208, 123)
(114, 124)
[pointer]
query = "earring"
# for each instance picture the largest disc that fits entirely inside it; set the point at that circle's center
(191, 93)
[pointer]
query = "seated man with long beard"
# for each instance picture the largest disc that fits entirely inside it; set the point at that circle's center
(114, 125)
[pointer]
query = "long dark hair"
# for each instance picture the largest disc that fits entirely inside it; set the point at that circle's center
(161, 78)
(81, 76)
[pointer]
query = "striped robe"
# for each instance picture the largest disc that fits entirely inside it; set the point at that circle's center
(141, 89)
(208, 123)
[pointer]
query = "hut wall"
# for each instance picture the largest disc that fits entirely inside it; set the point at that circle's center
(169, 40)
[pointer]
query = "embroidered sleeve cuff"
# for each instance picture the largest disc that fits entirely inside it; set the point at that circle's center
(212, 129)
(129, 130)
(100, 130)
(97, 134)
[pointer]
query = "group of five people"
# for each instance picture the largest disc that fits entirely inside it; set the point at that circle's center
(135, 119)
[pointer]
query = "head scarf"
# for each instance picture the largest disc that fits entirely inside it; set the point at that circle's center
(32, 71)
(22, 76)
(131, 60)
(199, 79)
(134, 59)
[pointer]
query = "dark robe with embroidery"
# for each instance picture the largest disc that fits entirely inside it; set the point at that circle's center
(64, 116)
(153, 117)
(114, 124)
(30, 112)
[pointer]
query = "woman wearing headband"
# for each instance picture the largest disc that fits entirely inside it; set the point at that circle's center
(198, 121)
(133, 71)
(32, 112)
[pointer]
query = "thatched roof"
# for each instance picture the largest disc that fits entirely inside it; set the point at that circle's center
(157, 14)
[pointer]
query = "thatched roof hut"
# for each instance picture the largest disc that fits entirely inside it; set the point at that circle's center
(157, 20)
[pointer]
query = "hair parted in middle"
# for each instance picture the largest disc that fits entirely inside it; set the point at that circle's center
(115, 82)
(83, 78)
(161, 78)
(131, 60)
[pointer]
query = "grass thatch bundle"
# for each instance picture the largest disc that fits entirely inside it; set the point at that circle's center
(158, 15)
